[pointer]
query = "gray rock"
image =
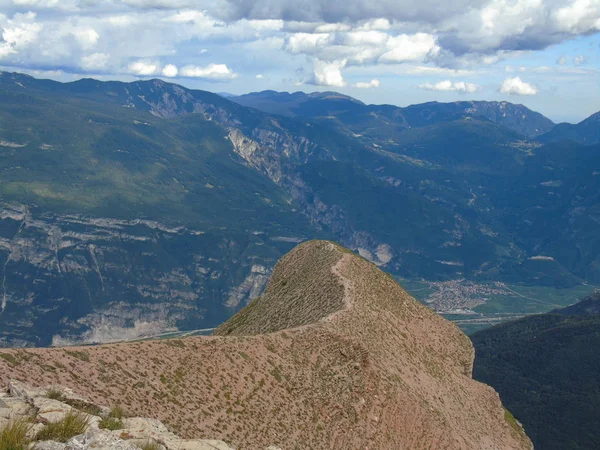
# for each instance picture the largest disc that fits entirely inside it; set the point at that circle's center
(22, 391)
(50, 410)
(99, 440)
(49, 445)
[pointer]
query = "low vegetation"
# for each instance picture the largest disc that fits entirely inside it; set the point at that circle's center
(73, 424)
(545, 368)
(114, 420)
(14, 436)
(148, 445)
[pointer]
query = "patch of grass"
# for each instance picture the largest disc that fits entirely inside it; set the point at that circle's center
(82, 405)
(10, 359)
(512, 421)
(117, 412)
(55, 393)
(82, 355)
(148, 445)
(110, 423)
(73, 424)
(175, 343)
(244, 355)
(114, 420)
(14, 436)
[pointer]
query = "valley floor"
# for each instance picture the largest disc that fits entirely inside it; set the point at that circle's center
(474, 306)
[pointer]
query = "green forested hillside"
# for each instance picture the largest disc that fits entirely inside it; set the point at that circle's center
(547, 371)
(145, 207)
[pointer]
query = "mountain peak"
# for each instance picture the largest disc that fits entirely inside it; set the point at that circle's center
(335, 355)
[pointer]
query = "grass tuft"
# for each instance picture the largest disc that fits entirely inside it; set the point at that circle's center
(55, 393)
(148, 445)
(73, 424)
(14, 436)
(110, 423)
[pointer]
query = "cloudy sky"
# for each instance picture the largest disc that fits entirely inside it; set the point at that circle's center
(542, 53)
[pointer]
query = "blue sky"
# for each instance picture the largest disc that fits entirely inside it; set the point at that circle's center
(544, 54)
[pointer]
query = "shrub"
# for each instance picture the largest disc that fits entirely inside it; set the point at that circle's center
(74, 423)
(14, 436)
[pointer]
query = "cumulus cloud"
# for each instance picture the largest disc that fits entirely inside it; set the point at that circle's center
(18, 33)
(516, 86)
(170, 70)
(447, 37)
(210, 72)
(409, 48)
(374, 83)
(328, 73)
(143, 68)
(449, 86)
(94, 61)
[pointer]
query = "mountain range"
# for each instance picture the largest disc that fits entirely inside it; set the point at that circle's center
(546, 368)
(136, 209)
(334, 355)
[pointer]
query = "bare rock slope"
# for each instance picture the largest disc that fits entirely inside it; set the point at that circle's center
(334, 355)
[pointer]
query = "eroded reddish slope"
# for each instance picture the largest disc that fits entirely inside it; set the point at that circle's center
(335, 355)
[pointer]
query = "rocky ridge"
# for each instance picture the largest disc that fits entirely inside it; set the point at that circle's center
(334, 355)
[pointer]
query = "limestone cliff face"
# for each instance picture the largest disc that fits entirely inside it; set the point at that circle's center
(334, 355)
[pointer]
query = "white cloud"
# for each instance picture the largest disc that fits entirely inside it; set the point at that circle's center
(20, 31)
(260, 76)
(306, 43)
(328, 73)
(432, 70)
(143, 68)
(449, 86)
(428, 37)
(374, 83)
(210, 72)
(37, 3)
(95, 61)
(580, 16)
(516, 86)
(562, 60)
(406, 47)
(332, 27)
(376, 24)
(87, 37)
(170, 70)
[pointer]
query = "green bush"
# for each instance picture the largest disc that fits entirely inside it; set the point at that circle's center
(74, 423)
(14, 436)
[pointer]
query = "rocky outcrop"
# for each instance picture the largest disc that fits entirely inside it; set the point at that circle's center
(35, 408)
(49, 263)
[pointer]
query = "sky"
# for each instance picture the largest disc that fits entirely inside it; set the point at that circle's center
(544, 54)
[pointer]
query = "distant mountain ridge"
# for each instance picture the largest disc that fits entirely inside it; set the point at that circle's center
(318, 104)
(135, 209)
(585, 132)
